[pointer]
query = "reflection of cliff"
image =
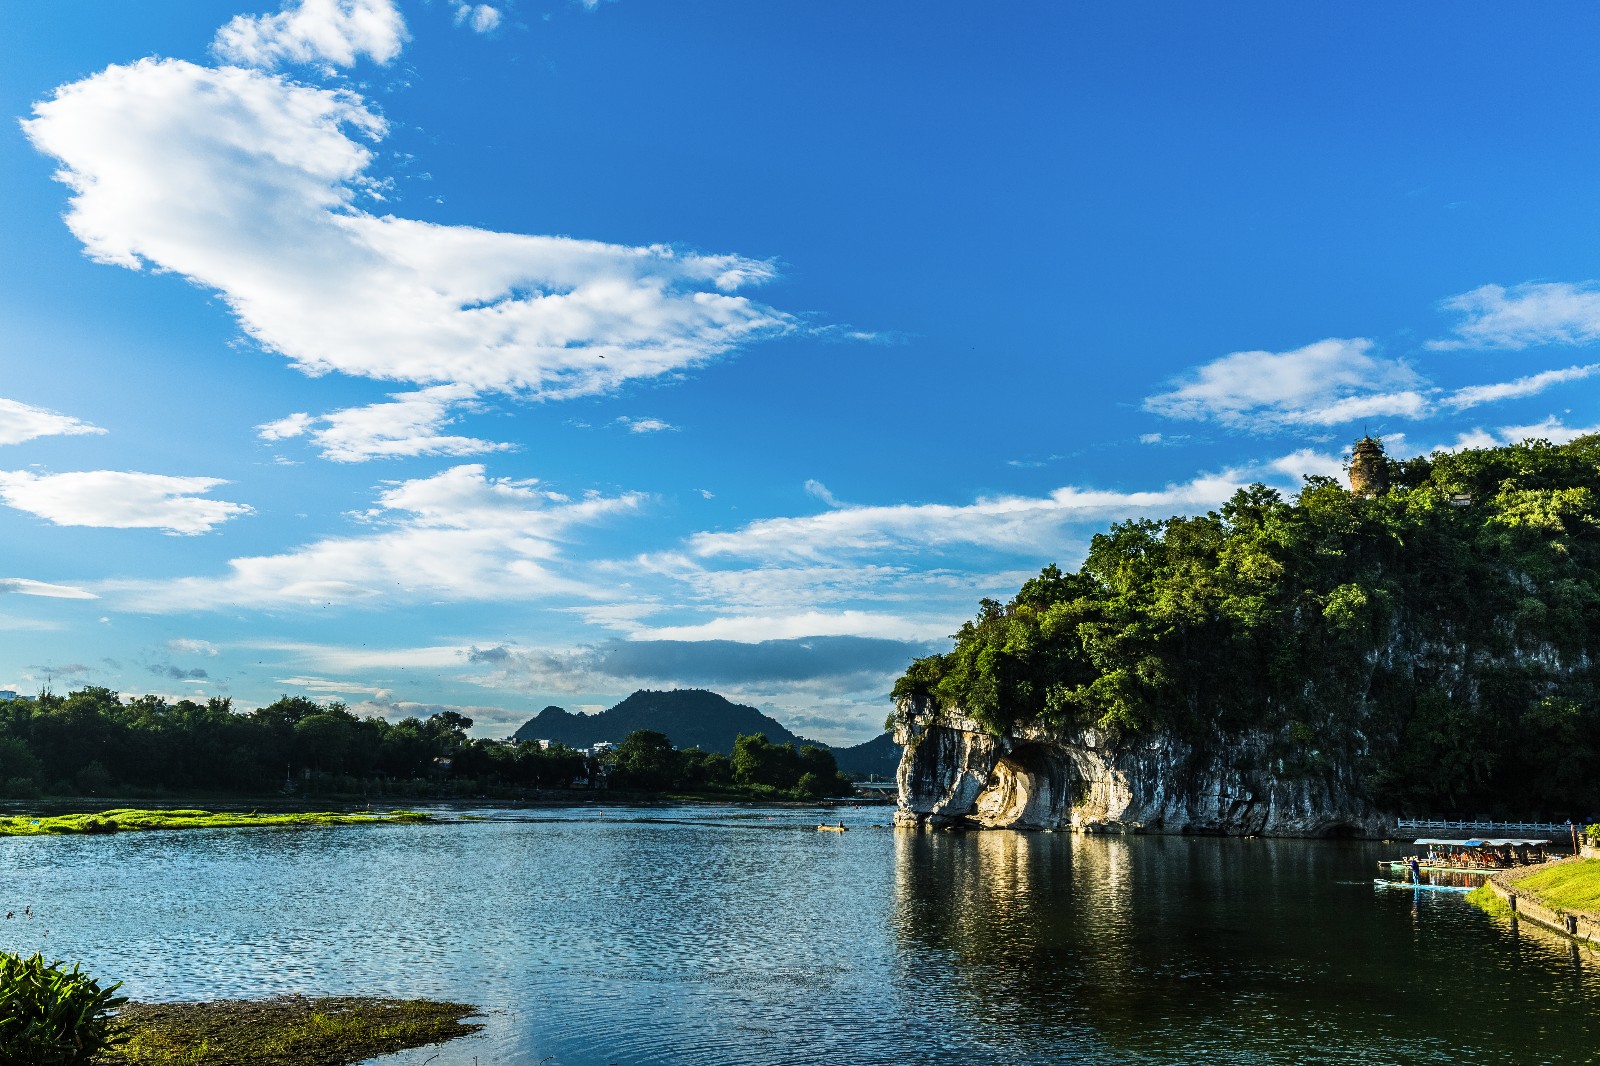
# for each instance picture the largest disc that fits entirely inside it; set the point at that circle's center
(955, 772)
(1099, 949)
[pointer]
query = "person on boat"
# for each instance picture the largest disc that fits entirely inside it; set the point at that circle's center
(1416, 871)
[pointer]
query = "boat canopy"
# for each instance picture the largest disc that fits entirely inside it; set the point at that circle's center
(1475, 842)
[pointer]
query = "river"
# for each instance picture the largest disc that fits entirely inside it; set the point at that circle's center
(699, 936)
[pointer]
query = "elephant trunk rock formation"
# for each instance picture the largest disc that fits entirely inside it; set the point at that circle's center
(954, 773)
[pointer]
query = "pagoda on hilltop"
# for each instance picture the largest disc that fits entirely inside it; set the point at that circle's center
(1369, 469)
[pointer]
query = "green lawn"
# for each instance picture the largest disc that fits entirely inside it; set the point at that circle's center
(123, 819)
(1571, 886)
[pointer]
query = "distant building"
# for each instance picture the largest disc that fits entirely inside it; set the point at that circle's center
(7, 694)
(1369, 468)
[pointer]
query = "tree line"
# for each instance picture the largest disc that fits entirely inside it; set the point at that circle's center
(92, 741)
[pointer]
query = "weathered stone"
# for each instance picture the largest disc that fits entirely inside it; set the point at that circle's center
(954, 773)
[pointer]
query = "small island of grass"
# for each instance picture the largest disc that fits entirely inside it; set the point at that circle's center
(124, 819)
(286, 1031)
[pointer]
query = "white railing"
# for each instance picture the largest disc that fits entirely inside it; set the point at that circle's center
(1491, 826)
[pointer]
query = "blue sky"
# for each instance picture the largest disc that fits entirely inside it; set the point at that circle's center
(486, 356)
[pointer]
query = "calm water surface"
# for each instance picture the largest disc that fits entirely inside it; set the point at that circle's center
(704, 936)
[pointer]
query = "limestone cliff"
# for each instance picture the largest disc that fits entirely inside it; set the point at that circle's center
(954, 773)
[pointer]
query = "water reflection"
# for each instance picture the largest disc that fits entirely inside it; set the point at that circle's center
(716, 937)
(1184, 950)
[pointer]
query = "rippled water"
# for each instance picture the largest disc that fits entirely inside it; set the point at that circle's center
(733, 935)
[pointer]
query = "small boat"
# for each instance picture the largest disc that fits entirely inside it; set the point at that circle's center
(1383, 882)
(832, 829)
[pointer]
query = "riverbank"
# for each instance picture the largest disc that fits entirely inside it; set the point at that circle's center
(286, 1031)
(125, 819)
(1562, 895)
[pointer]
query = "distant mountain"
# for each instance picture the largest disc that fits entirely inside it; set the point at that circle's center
(695, 718)
(691, 717)
(878, 757)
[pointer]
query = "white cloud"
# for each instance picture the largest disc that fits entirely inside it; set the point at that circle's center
(187, 646)
(1551, 429)
(1028, 524)
(1308, 461)
(341, 659)
(1327, 383)
(1473, 395)
(23, 422)
(25, 587)
(408, 425)
(337, 32)
(820, 491)
(480, 18)
(323, 686)
(1525, 315)
(644, 425)
(119, 499)
(458, 535)
(753, 628)
(247, 183)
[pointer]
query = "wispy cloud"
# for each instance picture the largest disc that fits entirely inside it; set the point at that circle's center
(644, 425)
(1553, 312)
(190, 646)
(459, 535)
(409, 424)
(1473, 395)
(22, 586)
(1328, 383)
(480, 18)
(21, 422)
(119, 499)
(1007, 523)
(336, 32)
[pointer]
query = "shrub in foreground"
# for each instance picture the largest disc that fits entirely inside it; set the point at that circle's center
(52, 1016)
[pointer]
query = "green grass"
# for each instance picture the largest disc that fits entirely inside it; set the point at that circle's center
(288, 1031)
(124, 819)
(1569, 886)
(1484, 899)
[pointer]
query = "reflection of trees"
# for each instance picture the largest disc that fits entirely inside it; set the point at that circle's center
(1172, 948)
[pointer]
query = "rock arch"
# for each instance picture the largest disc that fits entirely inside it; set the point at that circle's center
(1028, 788)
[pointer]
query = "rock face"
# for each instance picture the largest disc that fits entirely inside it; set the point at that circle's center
(954, 773)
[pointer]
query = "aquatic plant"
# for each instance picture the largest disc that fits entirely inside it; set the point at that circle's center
(288, 1029)
(52, 1016)
(133, 820)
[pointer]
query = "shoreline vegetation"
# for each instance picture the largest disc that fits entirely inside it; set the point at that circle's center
(284, 1031)
(126, 819)
(1562, 896)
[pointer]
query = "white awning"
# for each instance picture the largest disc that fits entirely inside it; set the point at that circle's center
(1482, 842)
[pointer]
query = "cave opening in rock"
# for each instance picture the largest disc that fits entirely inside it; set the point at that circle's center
(1024, 790)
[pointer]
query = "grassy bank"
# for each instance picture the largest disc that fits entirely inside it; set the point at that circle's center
(1569, 886)
(125, 819)
(288, 1031)
(1484, 899)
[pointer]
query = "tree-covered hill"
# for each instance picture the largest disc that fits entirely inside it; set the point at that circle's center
(1440, 635)
(693, 718)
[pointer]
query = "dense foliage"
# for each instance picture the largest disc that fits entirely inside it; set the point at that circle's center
(93, 742)
(646, 760)
(1440, 635)
(52, 1016)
